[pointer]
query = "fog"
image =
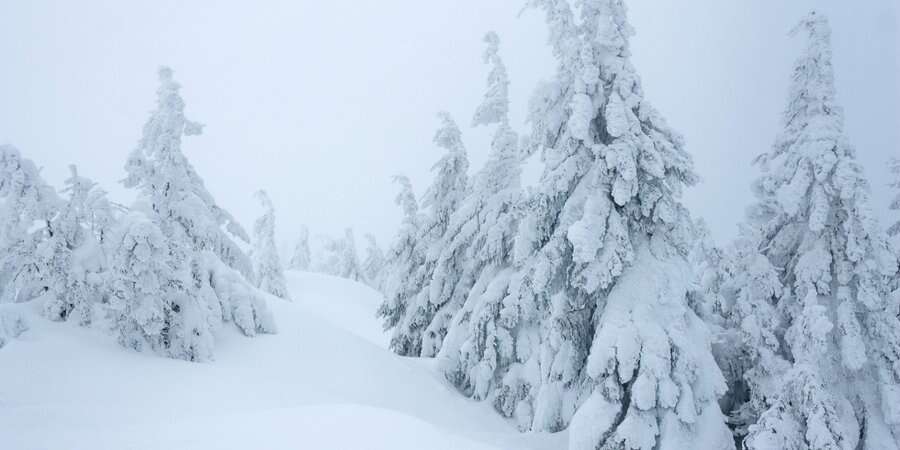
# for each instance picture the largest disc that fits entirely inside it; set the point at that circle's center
(321, 102)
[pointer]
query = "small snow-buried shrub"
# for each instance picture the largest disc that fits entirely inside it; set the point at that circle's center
(12, 325)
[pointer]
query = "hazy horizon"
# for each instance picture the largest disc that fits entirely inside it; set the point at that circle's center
(321, 103)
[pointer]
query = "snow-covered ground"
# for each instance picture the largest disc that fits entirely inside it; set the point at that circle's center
(325, 381)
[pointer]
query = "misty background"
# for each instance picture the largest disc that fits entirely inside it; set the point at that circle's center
(321, 102)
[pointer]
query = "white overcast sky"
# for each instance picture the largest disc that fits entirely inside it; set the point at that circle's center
(320, 102)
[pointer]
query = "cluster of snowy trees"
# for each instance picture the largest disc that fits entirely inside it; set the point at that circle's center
(593, 301)
(340, 257)
(162, 275)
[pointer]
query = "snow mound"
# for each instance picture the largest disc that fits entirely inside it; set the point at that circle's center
(325, 381)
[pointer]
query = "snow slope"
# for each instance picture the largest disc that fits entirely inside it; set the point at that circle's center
(325, 381)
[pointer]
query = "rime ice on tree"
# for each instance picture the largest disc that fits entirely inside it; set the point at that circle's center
(349, 267)
(266, 264)
(605, 337)
(201, 273)
(78, 267)
(441, 199)
(300, 260)
(373, 264)
(405, 258)
(587, 322)
(25, 199)
(472, 271)
(820, 338)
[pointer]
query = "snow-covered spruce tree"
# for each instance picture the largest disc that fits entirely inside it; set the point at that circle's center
(441, 199)
(602, 336)
(328, 255)
(25, 200)
(146, 286)
(894, 164)
(711, 298)
(266, 263)
(710, 271)
(404, 263)
(822, 342)
(78, 266)
(350, 267)
(206, 275)
(746, 286)
(373, 264)
(300, 260)
(894, 231)
(467, 284)
(157, 166)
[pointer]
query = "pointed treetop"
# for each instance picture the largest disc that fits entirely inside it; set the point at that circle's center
(605, 23)
(502, 169)
(263, 198)
(167, 181)
(74, 178)
(448, 135)
(406, 198)
(812, 111)
(77, 185)
(166, 75)
(561, 22)
(450, 179)
(168, 88)
(815, 63)
(816, 25)
(495, 106)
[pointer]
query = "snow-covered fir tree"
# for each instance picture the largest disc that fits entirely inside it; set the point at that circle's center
(78, 263)
(591, 323)
(710, 269)
(742, 287)
(600, 334)
(476, 249)
(300, 260)
(157, 166)
(894, 164)
(821, 341)
(715, 268)
(350, 267)
(205, 278)
(404, 263)
(146, 287)
(893, 231)
(25, 200)
(373, 264)
(266, 263)
(328, 255)
(441, 199)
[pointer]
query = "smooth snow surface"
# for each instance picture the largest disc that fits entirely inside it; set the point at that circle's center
(325, 381)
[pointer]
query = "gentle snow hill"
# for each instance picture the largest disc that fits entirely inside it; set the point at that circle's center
(325, 381)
